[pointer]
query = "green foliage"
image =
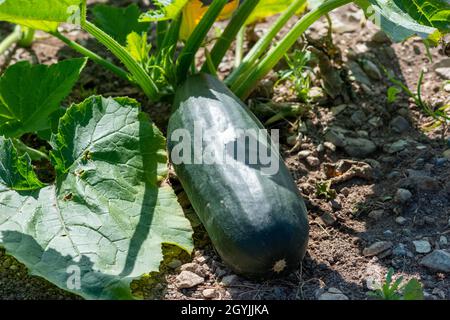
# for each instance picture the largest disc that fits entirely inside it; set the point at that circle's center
(393, 290)
(298, 73)
(401, 19)
(323, 189)
(29, 94)
(40, 14)
(165, 10)
(119, 22)
(392, 93)
(106, 216)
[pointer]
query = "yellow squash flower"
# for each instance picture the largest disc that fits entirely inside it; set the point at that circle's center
(194, 11)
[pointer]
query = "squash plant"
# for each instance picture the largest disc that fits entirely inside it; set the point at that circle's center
(108, 210)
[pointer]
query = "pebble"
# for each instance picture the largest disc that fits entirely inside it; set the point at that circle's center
(373, 283)
(399, 124)
(377, 248)
(447, 87)
(304, 154)
(400, 250)
(443, 241)
(328, 219)
(333, 294)
(444, 73)
(359, 147)
(438, 260)
(401, 221)
(422, 246)
(439, 162)
(329, 146)
(188, 279)
(403, 195)
(193, 267)
(229, 280)
(209, 293)
(381, 37)
(371, 69)
(359, 117)
(313, 161)
(397, 146)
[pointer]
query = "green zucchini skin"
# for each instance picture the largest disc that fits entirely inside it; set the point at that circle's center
(257, 223)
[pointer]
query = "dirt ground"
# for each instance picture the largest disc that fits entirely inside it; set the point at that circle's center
(391, 206)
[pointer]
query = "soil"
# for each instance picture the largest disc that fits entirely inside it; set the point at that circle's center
(366, 208)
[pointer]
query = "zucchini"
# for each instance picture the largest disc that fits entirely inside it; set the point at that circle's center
(257, 222)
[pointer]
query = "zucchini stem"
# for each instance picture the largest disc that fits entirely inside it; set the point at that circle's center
(236, 24)
(12, 39)
(195, 41)
(251, 78)
(92, 55)
(263, 44)
(139, 74)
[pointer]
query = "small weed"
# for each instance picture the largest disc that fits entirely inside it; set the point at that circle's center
(394, 290)
(323, 189)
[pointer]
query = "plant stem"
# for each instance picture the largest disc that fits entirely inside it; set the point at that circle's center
(161, 29)
(240, 39)
(195, 41)
(256, 73)
(93, 56)
(264, 43)
(229, 34)
(13, 38)
(27, 37)
(138, 72)
(34, 154)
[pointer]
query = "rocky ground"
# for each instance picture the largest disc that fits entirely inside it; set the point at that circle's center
(376, 183)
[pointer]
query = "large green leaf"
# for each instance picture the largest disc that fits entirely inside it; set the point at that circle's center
(106, 215)
(401, 19)
(164, 10)
(40, 14)
(29, 94)
(119, 22)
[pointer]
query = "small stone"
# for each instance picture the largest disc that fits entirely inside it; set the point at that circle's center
(175, 263)
(320, 148)
(381, 37)
(359, 117)
(401, 221)
(329, 146)
(400, 250)
(403, 195)
(335, 205)
(188, 279)
(376, 214)
(443, 241)
(328, 219)
(447, 87)
(422, 246)
(304, 154)
(397, 146)
(371, 69)
(446, 154)
(438, 260)
(444, 73)
(377, 248)
(388, 233)
(399, 124)
(359, 147)
(338, 109)
(333, 294)
(313, 161)
(439, 162)
(209, 293)
(193, 267)
(229, 280)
